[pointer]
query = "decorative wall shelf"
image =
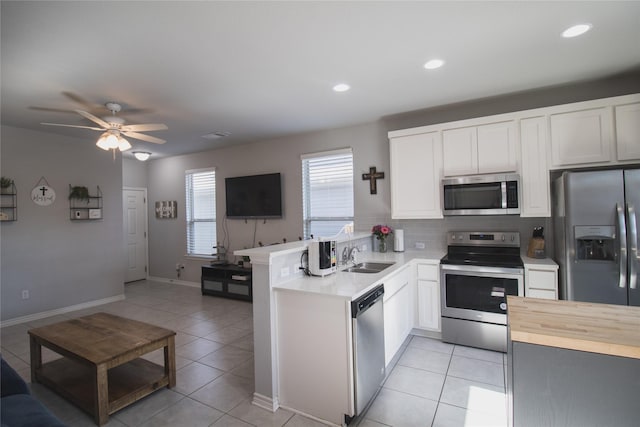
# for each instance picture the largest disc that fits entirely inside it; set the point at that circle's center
(83, 209)
(9, 203)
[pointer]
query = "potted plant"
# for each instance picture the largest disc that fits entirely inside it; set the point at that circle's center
(5, 183)
(79, 193)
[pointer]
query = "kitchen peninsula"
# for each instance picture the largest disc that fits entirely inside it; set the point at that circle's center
(572, 363)
(302, 325)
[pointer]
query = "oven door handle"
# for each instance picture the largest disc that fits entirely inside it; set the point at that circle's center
(480, 269)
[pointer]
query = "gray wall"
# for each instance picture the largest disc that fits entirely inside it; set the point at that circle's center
(370, 146)
(167, 239)
(60, 262)
(134, 173)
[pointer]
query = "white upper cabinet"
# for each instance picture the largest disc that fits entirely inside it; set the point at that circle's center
(533, 168)
(581, 137)
(480, 149)
(460, 151)
(416, 165)
(628, 131)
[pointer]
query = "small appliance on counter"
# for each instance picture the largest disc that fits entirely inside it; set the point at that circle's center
(398, 240)
(323, 258)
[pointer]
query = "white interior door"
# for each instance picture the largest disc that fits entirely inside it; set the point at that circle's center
(134, 204)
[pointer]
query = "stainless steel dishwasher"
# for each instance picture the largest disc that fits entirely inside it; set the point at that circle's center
(368, 346)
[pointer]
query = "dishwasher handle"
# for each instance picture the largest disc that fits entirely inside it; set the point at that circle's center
(362, 304)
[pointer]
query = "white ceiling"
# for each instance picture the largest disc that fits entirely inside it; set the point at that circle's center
(262, 70)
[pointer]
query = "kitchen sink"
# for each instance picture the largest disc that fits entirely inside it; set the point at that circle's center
(369, 267)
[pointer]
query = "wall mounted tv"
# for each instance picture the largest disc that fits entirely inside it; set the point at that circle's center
(255, 196)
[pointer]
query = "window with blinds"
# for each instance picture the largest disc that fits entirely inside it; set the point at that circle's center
(201, 211)
(327, 192)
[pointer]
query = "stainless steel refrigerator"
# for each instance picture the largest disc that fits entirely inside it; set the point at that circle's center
(596, 236)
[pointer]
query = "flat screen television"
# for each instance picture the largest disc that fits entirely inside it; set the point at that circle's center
(255, 196)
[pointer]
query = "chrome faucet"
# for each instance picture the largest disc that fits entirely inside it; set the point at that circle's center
(352, 253)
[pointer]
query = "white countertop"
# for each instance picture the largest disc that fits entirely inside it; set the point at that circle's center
(352, 285)
(541, 262)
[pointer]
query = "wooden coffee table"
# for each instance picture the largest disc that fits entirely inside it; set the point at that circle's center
(102, 371)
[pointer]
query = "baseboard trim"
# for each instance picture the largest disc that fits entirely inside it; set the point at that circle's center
(174, 281)
(265, 402)
(320, 420)
(43, 314)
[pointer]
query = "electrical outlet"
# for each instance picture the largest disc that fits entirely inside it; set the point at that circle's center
(25, 294)
(364, 247)
(284, 271)
(420, 245)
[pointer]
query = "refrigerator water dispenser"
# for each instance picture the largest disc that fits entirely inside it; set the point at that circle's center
(595, 243)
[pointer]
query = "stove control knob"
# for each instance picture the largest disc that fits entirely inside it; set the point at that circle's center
(453, 236)
(503, 238)
(459, 236)
(503, 306)
(513, 238)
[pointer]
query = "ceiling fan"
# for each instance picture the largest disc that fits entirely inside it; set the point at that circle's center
(114, 127)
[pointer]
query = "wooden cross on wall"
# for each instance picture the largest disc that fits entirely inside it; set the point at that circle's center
(373, 177)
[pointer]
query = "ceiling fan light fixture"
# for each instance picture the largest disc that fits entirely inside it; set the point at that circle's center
(123, 144)
(102, 142)
(141, 155)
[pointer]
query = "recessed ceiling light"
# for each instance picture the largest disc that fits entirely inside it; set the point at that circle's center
(216, 135)
(341, 87)
(433, 64)
(576, 30)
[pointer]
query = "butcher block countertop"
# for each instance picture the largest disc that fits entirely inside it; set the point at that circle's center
(597, 328)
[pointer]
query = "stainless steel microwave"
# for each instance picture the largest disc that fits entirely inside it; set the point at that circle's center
(481, 195)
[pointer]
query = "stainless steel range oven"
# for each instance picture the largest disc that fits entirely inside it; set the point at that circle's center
(478, 272)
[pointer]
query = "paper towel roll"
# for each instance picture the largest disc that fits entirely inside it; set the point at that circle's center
(398, 240)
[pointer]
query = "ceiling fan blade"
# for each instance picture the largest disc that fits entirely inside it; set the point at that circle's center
(72, 126)
(80, 100)
(145, 127)
(52, 110)
(94, 119)
(143, 137)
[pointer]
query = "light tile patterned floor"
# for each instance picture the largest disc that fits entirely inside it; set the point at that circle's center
(433, 383)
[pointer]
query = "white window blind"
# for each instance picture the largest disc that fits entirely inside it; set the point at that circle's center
(327, 187)
(201, 211)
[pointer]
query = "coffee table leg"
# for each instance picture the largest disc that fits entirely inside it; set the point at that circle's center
(102, 395)
(36, 358)
(170, 361)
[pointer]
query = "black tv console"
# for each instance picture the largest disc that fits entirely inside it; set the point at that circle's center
(228, 281)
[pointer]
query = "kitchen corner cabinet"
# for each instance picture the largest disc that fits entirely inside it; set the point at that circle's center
(486, 148)
(534, 172)
(540, 278)
(428, 276)
(9, 203)
(416, 165)
(581, 137)
(628, 131)
(86, 209)
(398, 319)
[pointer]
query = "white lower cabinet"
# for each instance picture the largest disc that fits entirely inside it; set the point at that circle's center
(428, 276)
(398, 318)
(541, 279)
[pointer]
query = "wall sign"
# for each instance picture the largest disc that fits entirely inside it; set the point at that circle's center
(42, 194)
(167, 209)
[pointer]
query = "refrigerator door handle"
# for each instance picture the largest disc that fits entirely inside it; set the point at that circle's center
(633, 247)
(623, 246)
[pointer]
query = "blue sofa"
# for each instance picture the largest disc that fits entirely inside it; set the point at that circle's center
(18, 407)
